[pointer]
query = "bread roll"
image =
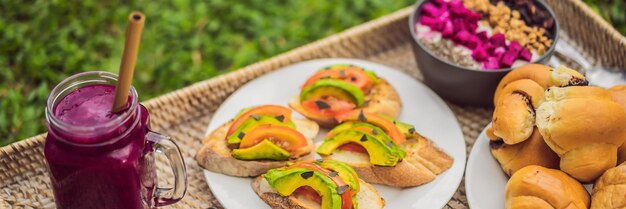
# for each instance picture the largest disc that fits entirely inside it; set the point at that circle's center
(619, 95)
(534, 187)
(610, 189)
(585, 127)
(514, 115)
(543, 75)
(532, 151)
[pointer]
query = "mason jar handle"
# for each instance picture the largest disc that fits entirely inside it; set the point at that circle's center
(164, 145)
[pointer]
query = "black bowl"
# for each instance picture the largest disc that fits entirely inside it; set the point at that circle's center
(460, 84)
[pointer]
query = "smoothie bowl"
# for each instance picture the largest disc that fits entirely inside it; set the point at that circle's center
(464, 47)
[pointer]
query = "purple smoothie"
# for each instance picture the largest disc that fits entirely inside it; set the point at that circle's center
(96, 158)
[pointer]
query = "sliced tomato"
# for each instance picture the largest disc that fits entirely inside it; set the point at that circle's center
(354, 147)
(275, 110)
(359, 115)
(346, 196)
(328, 106)
(351, 74)
(287, 138)
(310, 193)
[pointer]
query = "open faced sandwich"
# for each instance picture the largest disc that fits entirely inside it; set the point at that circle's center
(341, 88)
(383, 150)
(256, 140)
(316, 184)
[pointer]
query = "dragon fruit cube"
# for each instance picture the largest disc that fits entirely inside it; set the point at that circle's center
(473, 42)
(508, 58)
(431, 10)
(461, 37)
(483, 36)
(498, 39)
(491, 63)
(448, 30)
(526, 55)
(479, 54)
(515, 47)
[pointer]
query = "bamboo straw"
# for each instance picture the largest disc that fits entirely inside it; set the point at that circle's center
(129, 58)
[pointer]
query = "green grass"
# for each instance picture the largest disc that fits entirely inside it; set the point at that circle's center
(184, 41)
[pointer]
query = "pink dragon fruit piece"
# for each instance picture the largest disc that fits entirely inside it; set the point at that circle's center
(471, 27)
(479, 54)
(428, 21)
(438, 2)
(498, 51)
(526, 55)
(473, 42)
(431, 10)
(483, 36)
(508, 58)
(455, 3)
(473, 17)
(461, 37)
(491, 63)
(448, 30)
(459, 11)
(515, 47)
(459, 25)
(498, 39)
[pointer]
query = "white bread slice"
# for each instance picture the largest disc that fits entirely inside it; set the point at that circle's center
(217, 157)
(423, 162)
(382, 99)
(367, 198)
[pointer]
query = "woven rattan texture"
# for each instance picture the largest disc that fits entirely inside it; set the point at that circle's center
(184, 114)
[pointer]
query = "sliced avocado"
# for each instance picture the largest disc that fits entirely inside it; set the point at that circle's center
(371, 74)
(381, 135)
(242, 111)
(336, 88)
(379, 152)
(252, 123)
(265, 150)
(341, 127)
(376, 132)
(286, 181)
(345, 172)
(407, 129)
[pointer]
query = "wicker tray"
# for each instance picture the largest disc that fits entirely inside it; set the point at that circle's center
(185, 113)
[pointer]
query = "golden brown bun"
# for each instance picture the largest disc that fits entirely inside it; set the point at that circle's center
(619, 95)
(367, 198)
(423, 162)
(217, 157)
(584, 127)
(543, 75)
(532, 151)
(609, 192)
(538, 187)
(514, 114)
(382, 99)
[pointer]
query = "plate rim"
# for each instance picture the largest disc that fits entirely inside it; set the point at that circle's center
(435, 97)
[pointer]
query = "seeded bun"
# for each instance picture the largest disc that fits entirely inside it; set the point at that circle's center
(537, 187)
(382, 99)
(367, 198)
(610, 189)
(514, 114)
(584, 127)
(423, 162)
(215, 155)
(543, 75)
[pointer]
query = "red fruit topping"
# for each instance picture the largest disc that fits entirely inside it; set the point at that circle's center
(526, 55)
(498, 39)
(491, 63)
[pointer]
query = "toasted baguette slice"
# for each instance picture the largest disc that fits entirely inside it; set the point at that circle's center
(367, 198)
(217, 157)
(382, 99)
(423, 162)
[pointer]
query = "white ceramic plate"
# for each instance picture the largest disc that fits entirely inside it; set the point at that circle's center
(421, 107)
(484, 179)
